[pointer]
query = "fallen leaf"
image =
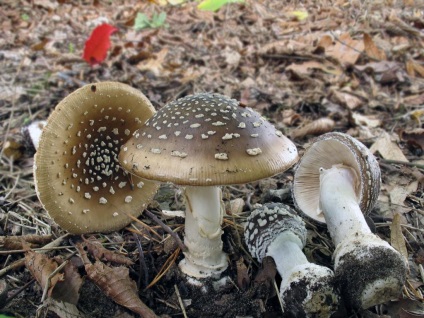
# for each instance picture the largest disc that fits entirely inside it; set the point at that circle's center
(387, 148)
(397, 240)
(307, 68)
(384, 71)
(155, 64)
(372, 50)
(215, 5)
(316, 127)
(414, 68)
(41, 267)
(414, 137)
(398, 193)
(116, 284)
(96, 249)
(299, 14)
(97, 45)
(68, 289)
(64, 310)
(346, 50)
(346, 99)
(370, 121)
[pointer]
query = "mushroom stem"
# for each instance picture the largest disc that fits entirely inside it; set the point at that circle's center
(204, 214)
(337, 193)
(368, 269)
(286, 250)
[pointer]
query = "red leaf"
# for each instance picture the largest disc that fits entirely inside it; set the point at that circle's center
(98, 43)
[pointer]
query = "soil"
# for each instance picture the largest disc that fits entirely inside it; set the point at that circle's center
(309, 67)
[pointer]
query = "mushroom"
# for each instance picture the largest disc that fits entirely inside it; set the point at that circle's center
(336, 182)
(78, 178)
(307, 289)
(202, 141)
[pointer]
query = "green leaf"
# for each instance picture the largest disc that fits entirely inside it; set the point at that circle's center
(141, 21)
(214, 5)
(4, 316)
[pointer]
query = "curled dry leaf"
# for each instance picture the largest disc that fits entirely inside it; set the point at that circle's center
(396, 236)
(116, 284)
(345, 50)
(96, 249)
(317, 127)
(387, 148)
(41, 267)
(15, 242)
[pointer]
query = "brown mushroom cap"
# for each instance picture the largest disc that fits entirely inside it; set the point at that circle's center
(328, 150)
(77, 174)
(207, 139)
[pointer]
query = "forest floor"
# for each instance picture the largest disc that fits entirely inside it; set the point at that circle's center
(359, 64)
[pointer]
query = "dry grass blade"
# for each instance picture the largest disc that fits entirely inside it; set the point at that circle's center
(171, 260)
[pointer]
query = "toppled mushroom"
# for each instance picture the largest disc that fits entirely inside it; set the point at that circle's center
(337, 180)
(77, 174)
(307, 289)
(202, 141)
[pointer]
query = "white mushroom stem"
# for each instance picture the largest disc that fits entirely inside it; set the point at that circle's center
(368, 269)
(339, 203)
(286, 250)
(204, 214)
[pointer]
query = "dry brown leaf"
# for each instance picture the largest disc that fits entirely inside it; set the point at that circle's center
(397, 240)
(308, 67)
(316, 127)
(346, 50)
(414, 137)
(64, 310)
(372, 50)
(414, 100)
(116, 284)
(96, 249)
(325, 42)
(384, 71)
(399, 192)
(414, 68)
(243, 279)
(346, 99)
(68, 289)
(15, 242)
(154, 65)
(41, 267)
(360, 120)
(387, 148)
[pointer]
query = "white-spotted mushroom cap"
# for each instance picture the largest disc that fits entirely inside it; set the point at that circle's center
(333, 149)
(77, 174)
(267, 222)
(207, 139)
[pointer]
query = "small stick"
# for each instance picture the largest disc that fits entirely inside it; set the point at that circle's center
(168, 230)
(46, 287)
(400, 162)
(180, 301)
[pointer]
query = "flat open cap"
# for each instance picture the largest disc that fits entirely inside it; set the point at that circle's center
(207, 139)
(77, 174)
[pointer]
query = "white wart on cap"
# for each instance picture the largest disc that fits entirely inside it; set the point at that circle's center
(207, 139)
(77, 174)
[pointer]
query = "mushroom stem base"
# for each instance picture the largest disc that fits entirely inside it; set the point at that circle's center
(204, 213)
(369, 271)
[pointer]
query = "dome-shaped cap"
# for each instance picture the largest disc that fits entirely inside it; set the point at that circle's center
(77, 174)
(266, 223)
(333, 149)
(207, 139)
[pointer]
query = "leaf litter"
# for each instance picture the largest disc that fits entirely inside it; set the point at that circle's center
(350, 66)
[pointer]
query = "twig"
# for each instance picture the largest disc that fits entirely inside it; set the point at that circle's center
(180, 301)
(18, 291)
(406, 163)
(52, 274)
(168, 230)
